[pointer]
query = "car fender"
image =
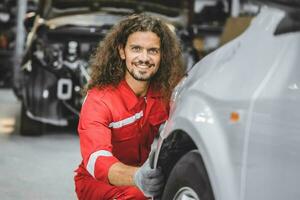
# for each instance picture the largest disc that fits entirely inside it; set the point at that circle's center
(212, 144)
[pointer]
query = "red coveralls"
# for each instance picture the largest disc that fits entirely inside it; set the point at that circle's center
(115, 125)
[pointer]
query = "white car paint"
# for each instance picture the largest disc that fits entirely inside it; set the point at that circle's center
(257, 77)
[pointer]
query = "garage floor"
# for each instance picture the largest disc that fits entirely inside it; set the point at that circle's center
(35, 168)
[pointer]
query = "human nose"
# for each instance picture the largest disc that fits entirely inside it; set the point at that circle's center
(144, 55)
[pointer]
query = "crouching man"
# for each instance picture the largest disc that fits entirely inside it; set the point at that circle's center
(134, 71)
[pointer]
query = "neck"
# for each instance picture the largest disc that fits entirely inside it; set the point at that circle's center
(139, 87)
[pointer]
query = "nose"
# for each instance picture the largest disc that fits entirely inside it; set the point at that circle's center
(144, 55)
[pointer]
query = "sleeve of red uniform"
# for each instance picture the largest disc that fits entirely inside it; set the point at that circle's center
(95, 136)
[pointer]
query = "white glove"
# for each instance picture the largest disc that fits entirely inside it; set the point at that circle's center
(149, 181)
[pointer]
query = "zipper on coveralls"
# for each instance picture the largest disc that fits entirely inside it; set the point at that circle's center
(140, 129)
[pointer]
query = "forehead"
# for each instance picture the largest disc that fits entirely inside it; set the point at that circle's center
(146, 39)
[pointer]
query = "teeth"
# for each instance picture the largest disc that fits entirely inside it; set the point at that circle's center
(143, 66)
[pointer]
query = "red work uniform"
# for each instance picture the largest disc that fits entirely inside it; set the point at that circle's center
(115, 126)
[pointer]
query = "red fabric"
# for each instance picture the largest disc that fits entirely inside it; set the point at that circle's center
(129, 144)
(88, 188)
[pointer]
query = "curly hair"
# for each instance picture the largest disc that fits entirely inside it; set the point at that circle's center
(109, 69)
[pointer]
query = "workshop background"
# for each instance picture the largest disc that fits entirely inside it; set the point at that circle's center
(44, 50)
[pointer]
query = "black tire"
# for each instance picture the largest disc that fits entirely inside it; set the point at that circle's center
(30, 127)
(189, 173)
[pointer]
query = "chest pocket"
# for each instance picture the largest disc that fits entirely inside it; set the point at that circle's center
(124, 133)
(126, 129)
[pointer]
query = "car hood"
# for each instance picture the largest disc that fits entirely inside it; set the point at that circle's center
(53, 8)
(100, 19)
(90, 19)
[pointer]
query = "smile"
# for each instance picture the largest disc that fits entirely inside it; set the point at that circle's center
(143, 65)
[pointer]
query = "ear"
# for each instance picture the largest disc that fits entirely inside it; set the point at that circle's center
(121, 53)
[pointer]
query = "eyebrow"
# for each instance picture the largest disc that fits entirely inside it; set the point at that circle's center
(154, 48)
(151, 48)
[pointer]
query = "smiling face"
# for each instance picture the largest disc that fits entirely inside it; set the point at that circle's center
(142, 56)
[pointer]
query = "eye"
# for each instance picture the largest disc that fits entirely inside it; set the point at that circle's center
(153, 51)
(136, 49)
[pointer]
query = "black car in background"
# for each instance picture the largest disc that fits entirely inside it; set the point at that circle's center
(8, 29)
(7, 40)
(63, 35)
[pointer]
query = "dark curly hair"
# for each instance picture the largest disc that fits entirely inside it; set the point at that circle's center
(109, 69)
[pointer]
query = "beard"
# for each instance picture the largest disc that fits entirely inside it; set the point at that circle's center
(141, 75)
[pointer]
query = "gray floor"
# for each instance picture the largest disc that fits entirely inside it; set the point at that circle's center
(34, 168)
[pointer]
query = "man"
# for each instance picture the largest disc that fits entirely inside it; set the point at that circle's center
(133, 72)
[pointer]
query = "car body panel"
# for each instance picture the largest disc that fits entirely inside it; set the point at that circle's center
(255, 78)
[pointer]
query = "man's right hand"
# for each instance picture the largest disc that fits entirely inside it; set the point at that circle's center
(149, 181)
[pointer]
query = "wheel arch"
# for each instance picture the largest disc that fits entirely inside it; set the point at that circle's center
(180, 141)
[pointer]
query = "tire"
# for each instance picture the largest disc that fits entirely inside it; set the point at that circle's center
(28, 126)
(188, 179)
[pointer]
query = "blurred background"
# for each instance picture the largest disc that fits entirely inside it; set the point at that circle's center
(45, 47)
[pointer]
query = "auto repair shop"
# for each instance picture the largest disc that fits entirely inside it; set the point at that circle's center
(233, 127)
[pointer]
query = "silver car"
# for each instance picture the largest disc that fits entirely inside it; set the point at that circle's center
(234, 127)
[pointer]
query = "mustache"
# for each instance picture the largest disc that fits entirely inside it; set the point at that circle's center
(145, 63)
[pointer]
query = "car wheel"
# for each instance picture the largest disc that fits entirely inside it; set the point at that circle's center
(188, 180)
(29, 127)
